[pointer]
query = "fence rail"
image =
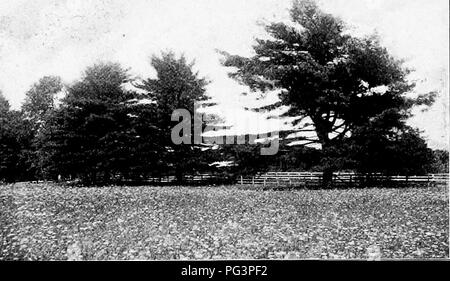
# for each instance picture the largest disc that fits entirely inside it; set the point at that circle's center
(340, 178)
(186, 178)
(309, 179)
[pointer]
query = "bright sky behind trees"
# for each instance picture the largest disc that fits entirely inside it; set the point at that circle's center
(63, 37)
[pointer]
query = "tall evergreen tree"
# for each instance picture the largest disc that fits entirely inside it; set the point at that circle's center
(90, 135)
(177, 86)
(333, 83)
(15, 144)
(37, 109)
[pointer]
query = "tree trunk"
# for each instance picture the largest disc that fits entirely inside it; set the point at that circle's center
(327, 178)
(323, 128)
(179, 175)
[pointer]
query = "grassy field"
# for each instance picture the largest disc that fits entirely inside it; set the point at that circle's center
(52, 222)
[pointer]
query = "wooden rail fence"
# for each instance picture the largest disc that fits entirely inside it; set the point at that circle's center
(343, 179)
(339, 179)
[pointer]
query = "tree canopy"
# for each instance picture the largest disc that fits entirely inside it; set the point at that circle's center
(176, 86)
(348, 97)
(332, 82)
(89, 135)
(40, 99)
(15, 144)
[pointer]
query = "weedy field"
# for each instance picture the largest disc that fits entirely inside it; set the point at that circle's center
(48, 222)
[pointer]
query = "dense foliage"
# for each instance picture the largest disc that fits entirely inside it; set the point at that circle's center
(15, 144)
(89, 136)
(334, 84)
(347, 94)
(176, 87)
(104, 132)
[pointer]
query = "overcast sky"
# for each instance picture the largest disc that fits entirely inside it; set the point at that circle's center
(62, 37)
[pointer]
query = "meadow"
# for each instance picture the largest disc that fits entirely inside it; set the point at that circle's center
(52, 222)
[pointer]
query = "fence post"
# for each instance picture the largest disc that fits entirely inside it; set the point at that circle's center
(242, 181)
(264, 181)
(253, 180)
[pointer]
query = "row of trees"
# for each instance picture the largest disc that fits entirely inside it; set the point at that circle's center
(346, 94)
(100, 131)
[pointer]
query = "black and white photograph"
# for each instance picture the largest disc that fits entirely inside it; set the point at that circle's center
(208, 130)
